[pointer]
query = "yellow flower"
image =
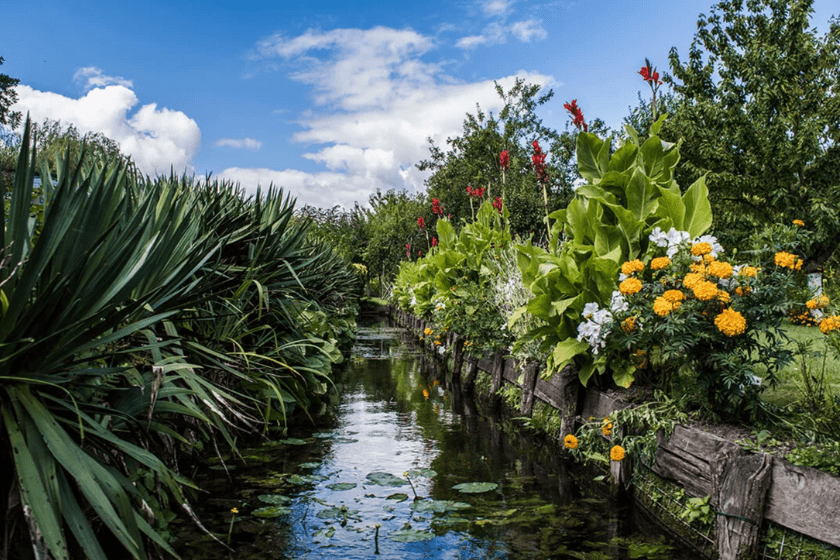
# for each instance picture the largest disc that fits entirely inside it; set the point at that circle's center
(788, 260)
(607, 429)
(723, 296)
(617, 453)
(437, 342)
(659, 263)
(629, 324)
(570, 441)
(830, 324)
(662, 306)
(691, 279)
(720, 269)
(425, 393)
(673, 296)
(698, 268)
(818, 302)
(631, 267)
(630, 286)
(799, 223)
(699, 249)
(748, 271)
(730, 322)
(705, 290)
(234, 511)
(742, 291)
(428, 331)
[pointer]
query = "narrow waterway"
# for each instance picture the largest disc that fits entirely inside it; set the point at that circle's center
(401, 467)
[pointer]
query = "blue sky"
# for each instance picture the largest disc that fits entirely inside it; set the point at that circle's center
(330, 100)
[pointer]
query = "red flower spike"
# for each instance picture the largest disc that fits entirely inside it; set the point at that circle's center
(577, 115)
(497, 204)
(434, 242)
(436, 209)
(421, 222)
(504, 160)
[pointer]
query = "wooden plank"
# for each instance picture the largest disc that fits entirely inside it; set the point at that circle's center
(806, 500)
(685, 458)
(511, 373)
(550, 391)
(598, 405)
(529, 379)
(740, 492)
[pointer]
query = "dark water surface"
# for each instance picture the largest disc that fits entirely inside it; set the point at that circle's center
(391, 453)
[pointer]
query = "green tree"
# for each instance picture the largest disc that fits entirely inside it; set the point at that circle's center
(473, 160)
(760, 115)
(8, 97)
(53, 140)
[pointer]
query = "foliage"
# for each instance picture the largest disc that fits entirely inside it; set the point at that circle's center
(473, 159)
(140, 321)
(451, 283)
(759, 112)
(8, 97)
(628, 194)
(699, 510)
(825, 457)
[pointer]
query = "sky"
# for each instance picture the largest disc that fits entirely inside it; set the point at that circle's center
(329, 100)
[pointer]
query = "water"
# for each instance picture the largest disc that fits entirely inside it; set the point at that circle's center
(391, 453)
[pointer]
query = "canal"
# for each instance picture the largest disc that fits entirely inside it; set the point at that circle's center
(400, 467)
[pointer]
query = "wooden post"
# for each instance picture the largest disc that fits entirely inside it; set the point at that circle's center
(740, 486)
(498, 372)
(457, 356)
(470, 374)
(569, 385)
(529, 382)
(621, 472)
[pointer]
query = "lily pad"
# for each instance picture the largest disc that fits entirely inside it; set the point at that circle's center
(292, 441)
(309, 465)
(475, 487)
(438, 506)
(275, 499)
(428, 473)
(323, 435)
(410, 535)
(399, 497)
(338, 486)
(306, 479)
(385, 479)
(271, 511)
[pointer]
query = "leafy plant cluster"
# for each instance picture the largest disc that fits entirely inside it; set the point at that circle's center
(142, 321)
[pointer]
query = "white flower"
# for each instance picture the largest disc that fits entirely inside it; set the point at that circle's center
(441, 350)
(578, 183)
(675, 237)
(413, 300)
(658, 237)
(622, 277)
(590, 309)
(711, 240)
(603, 316)
(618, 303)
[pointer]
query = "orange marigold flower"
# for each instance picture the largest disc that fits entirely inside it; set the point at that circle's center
(705, 290)
(799, 223)
(829, 324)
(697, 268)
(749, 271)
(730, 322)
(630, 286)
(788, 260)
(723, 296)
(631, 267)
(659, 263)
(691, 280)
(700, 249)
(662, 306)
(818, 302)
(617, 453)
(570, 441)
(720, 269)
(742, 291)
(629, 324)
(606, 429)
(674, 296)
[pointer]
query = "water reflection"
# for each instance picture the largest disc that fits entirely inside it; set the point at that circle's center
(345, 476)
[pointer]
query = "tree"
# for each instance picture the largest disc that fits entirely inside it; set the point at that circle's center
(760, 115)
(8, 97)
(53, 139)
(473, 160)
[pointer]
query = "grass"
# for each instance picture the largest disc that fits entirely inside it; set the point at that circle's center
(818, 356)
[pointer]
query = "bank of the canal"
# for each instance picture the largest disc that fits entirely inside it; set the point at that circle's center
(401, 456)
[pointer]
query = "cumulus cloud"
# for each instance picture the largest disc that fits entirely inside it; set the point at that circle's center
(377, 103)
(527, 31)
(155, 138)
(497, 33)
(495, 7)
(94, 78)
(239, 143)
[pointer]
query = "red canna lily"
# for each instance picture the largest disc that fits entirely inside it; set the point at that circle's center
(436, 209)
(504, 160)
(434, 242)
(421, 222)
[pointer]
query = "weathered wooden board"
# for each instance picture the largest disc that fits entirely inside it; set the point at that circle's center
(598, 405)
(550, 391)
(511, 373)
(806, 500)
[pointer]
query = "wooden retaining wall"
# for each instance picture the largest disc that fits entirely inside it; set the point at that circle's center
(745, 487)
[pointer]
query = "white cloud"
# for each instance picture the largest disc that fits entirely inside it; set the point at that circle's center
(239, 143)
(156, 139)
(527, 31)
(94, 78)
(377, 104)
(495, 7)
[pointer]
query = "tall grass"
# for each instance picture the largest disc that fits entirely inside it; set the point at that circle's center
(143, 319)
